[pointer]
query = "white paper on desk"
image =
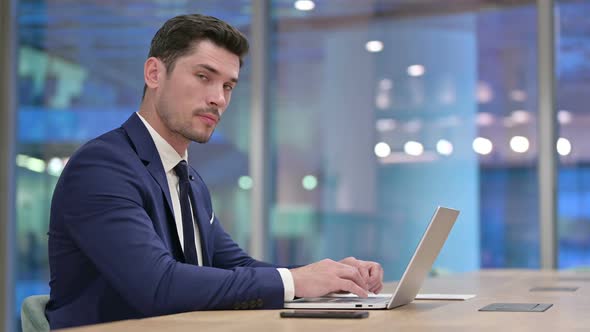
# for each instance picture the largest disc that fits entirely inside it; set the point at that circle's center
(354, 295)
(455, 297)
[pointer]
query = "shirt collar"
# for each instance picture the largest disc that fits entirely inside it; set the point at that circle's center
(168, 155)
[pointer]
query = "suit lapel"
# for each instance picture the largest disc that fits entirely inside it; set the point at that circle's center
(147, 152)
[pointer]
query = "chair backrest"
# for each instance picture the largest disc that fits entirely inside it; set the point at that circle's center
(32, 314)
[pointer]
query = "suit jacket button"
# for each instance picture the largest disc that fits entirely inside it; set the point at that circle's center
(190, 177)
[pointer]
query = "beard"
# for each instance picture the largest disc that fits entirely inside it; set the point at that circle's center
(185, 129)
(200, 136)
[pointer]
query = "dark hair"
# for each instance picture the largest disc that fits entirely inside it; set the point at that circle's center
(180, 34)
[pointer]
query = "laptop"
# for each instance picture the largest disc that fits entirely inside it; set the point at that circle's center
(424, 256)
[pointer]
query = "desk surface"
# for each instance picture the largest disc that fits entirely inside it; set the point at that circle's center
(570, 311)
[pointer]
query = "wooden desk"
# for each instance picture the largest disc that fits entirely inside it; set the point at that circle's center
(570, 311)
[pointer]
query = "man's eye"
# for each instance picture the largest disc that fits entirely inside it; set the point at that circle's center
(202, 77)
(228, 87)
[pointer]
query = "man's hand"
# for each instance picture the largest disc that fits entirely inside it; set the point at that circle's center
(328, 276)
(371, 272)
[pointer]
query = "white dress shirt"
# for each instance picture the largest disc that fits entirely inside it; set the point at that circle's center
(170, 158)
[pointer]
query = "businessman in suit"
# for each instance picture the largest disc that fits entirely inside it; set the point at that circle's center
(132, 230)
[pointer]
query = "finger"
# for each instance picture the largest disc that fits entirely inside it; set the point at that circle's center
(375, 284)
(373, 273)
(353, 274)
(378, 289)
(380, 279)
(363, 270)
(365, 274)
(376, 279)
(374, 268)
(350, 261)
(351, 287)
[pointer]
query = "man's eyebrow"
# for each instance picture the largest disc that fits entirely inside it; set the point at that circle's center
(214, 71)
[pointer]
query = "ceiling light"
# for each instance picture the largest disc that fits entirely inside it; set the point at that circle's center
(564, 147)
(482, 145)
(564, 117)
(444, 147)
(374, 46)
(304, 5)
(416, 70)
(413, 148)
(382, 150)
(519, 144)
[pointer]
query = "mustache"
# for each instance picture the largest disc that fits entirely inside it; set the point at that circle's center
(210, 110)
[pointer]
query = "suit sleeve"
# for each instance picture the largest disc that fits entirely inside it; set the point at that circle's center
(100, 201)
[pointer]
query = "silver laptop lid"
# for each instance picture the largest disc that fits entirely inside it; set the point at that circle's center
(424, 256)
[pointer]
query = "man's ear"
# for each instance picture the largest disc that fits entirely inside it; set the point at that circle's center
(152, 72)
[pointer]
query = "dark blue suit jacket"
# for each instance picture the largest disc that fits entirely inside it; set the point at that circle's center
(114, 251)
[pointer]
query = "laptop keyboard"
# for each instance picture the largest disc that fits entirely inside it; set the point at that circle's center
(368, 300)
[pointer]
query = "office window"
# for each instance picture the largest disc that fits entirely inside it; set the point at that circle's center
(383, 111)
(507, 95)
(80, 74)
(573, 82)
(373, 116)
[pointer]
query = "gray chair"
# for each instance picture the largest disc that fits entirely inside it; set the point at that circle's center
(32, 314)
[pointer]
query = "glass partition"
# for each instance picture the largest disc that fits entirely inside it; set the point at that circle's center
(383, 111)
(507, 145)
(573, 79)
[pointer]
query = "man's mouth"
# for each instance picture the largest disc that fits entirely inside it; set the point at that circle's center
(209, 119)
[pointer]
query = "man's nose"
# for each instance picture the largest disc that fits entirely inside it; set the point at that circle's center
(216, 97)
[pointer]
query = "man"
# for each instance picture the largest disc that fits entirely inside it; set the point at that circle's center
(132, 230)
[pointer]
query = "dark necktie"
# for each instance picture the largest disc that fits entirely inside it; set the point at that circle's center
(188, 232)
